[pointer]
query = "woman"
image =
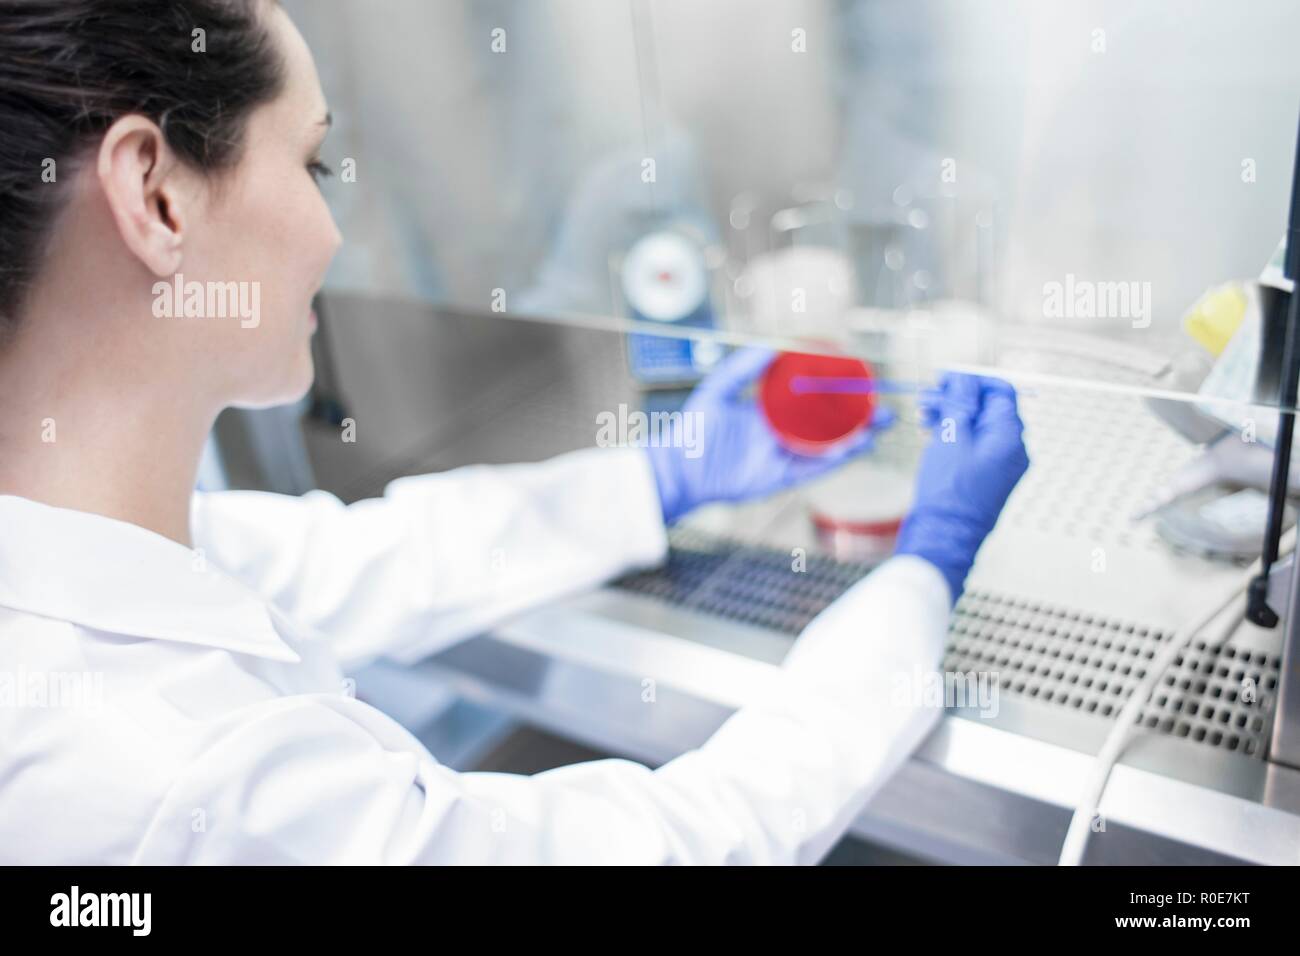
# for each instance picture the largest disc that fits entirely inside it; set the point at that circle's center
(147, 145)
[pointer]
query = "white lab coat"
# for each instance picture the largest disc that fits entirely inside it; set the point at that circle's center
(213, 724)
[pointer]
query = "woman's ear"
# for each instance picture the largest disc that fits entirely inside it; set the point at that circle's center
(136, 171)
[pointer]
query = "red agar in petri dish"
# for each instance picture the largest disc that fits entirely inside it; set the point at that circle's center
(813, 402)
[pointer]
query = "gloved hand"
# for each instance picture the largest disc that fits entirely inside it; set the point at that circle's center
(974, 459)
(736, 456)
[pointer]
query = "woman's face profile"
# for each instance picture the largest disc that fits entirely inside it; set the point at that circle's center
(213, 272)
(265, 226)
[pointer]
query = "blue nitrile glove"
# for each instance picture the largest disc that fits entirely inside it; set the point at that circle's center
(963, 482)
(735, 455)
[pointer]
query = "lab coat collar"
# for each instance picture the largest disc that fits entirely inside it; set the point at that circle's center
(117, 577)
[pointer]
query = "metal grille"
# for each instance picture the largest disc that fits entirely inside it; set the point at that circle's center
(1097, 458)
(1222, 696)
(1066, 657)
(752, 585)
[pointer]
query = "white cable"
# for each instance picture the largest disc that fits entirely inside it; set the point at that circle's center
(1076, 837)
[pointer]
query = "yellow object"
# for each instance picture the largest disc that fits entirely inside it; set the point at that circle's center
(1216, 317)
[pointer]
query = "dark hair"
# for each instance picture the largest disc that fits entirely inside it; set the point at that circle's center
(70, 68)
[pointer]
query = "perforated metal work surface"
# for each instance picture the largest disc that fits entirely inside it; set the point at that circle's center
(752, 585)
(1098, 458)
(1065, 657)
(1090, 663)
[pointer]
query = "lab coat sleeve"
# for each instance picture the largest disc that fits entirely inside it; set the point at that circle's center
(330, 780)
(439, 557)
